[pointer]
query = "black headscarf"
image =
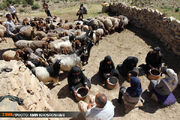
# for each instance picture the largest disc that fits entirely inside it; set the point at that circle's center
(105, 67)
(130, 62)
(75, 69)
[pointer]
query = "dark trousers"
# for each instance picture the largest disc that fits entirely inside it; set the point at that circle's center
(15, 16)
(17, 37)
(80, 17)
(48, 13)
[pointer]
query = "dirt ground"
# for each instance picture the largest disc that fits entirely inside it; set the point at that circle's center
(130, 42)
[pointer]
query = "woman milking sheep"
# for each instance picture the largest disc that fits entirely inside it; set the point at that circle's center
(77, 79)
(107, 69)
(132, 94)
(162, 90)
(128, 64)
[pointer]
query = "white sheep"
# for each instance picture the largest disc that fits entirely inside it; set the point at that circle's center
(27, 31)
(85, 28)
(108, 24)
(115, 22)
(123, 21)
(60, 45)
(99, 33)
(67, 61)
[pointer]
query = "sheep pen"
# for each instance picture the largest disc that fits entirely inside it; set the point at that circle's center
(130, 41)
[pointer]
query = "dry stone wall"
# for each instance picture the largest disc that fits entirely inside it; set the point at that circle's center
(166, 29)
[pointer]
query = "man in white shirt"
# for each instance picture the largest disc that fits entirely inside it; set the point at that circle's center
(12, 10)
(102, 109)
(11, 29)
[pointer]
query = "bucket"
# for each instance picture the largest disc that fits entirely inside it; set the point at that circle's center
(154, 74)
(112, 82)
(81, 93)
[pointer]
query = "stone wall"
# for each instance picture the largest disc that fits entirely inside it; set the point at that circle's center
(166, 29)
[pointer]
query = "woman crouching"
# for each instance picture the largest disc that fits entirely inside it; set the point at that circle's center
(131, 96)
(162, 90)
(77, 79)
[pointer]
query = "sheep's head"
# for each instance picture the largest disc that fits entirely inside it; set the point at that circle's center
(57, 65)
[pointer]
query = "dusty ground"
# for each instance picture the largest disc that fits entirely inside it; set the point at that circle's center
(119, 46)
(130, 42)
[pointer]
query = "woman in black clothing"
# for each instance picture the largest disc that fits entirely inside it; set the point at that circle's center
(128, 65)
(77, 79)
(107, 69)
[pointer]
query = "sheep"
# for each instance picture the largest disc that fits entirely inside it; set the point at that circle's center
(67, 61)
(9, 55)
(31, 44)
(115, 22)
(48, 74)
(2, 27)
(94, 24)
(2, 32)
(123, 21)
(60, 45)
(27, 31)
(99, 33)
(85, 28)
(39, 35)
(108, 24)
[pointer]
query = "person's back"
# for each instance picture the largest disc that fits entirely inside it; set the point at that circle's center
(167, 84)
(105, 113)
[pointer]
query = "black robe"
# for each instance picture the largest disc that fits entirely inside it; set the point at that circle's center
(107, 68)
(154, 59)
(128, 65)
(72, 79)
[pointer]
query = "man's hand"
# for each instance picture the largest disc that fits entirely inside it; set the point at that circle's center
(90, 105)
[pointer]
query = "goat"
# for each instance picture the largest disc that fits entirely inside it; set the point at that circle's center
(68, 61)
(48, 74)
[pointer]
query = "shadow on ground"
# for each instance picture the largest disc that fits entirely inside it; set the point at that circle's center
(119, 109)
(169, 58)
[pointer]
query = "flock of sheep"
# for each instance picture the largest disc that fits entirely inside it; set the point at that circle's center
(52, 45)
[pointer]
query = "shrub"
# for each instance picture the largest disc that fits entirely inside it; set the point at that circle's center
(30, 2)
(177, 9)
(35, 7)
(3, 6)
